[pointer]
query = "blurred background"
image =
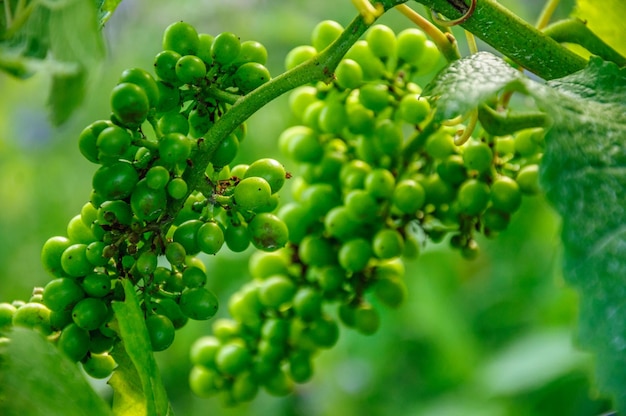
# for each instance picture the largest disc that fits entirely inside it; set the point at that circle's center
(489, 337)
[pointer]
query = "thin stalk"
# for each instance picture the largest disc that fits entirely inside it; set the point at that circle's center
(546, 14)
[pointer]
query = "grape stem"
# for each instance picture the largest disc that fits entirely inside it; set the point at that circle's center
(513, 37)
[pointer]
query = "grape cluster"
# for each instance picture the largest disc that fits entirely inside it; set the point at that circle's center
(144, 222)
(376, 178)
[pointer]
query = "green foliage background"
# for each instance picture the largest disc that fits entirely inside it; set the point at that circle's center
(486, 337)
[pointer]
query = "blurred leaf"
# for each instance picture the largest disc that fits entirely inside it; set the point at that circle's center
(606, 19)
(128, 397)
(37, 379)
(584, 177)
(140, 367)
(106, 9)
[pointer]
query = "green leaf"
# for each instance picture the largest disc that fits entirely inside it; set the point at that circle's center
(106, 9)
(584, 178)
(606, 19)
(37, 379)
(146, 393)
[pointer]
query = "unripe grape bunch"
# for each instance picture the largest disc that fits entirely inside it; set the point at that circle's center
(376, 177)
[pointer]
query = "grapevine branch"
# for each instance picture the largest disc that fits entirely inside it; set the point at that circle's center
(513, 37)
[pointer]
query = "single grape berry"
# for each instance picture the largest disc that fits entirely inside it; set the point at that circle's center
(250, 76)
(89, 313)
(190, 69)
(268, 232)
(225, 48)
(130, 104)
(269, 169)
(324, 33)
(210, 238)
(276, 290)
(51, 253)
(161, 332)
(198, 303)
(233, 358)
(477, 156)
(299, 55)
(181, 37)
(252, 193)
(143, 79)
(473, 196)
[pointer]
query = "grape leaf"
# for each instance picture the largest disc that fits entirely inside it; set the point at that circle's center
(583, 174)
(49, 384)
(106, 9)
(606, 19)
(143, 392)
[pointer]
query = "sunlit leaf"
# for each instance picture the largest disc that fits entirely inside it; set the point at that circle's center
(606, 19)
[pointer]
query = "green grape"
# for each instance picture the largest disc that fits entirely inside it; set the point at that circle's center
(226, 151)
(413, 108)
(236, 237)
(528, 142)
(95, 253)
(411, 43)
(528, 179)
(332, 117)
(6, 315)
(506, 194)
(270, 170)
(373, 68)
(190, 69)
(361, 206)
(440, 145)
(74, 342)
(177, 188)
(244, 388)
(408, 196)
(233, 358)
(387, 244)
(98, 342)
(157, 177)
(251, 76)
(174, 148)
(173, 122)
(473, 196)
(299, 55)
(330, 280)
(199, 122)
(32, 315)
(143, 79)
(165, 68)
(428, 59)
(203, 382)
(324, 332)
(324, 33)
(307, 303)
(382, 41)
(187, 235)
(278, 383)
(169, 98)
(320, 198)
(276, 290)
(301, 98)
(161, 332)
(317, 251)
(63, 293)
(97, 285)
(115, 181)
(452, 170)
(360, 119)
(301, 144)
(355, 254)
(175, 253)
(268, 232)
(198, 303)
(437, 190)
(366, 319)
(78, 232)
(252, 193)
(389, 137)
(477, 156)
(298, 220)
(374, 96)
(99, 366)
(87, 141)
(115, 212)
(60, 319)
(204, 350)
(263, 264)
(245, 306)
(130, 104)
(352, 175)
(349, 74)
(300, 366)
(146, 263)
(194, 277)
(181, 37)
(380, 183)
(391, 291)
(495, 220)
(74, 261)
(204, 48)
(225, 48)
(275, 330)
(89, 313)
(340, 224)
(251, 51)
(239, 170)
(168, 307)
(148, 204)
(210, 238)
